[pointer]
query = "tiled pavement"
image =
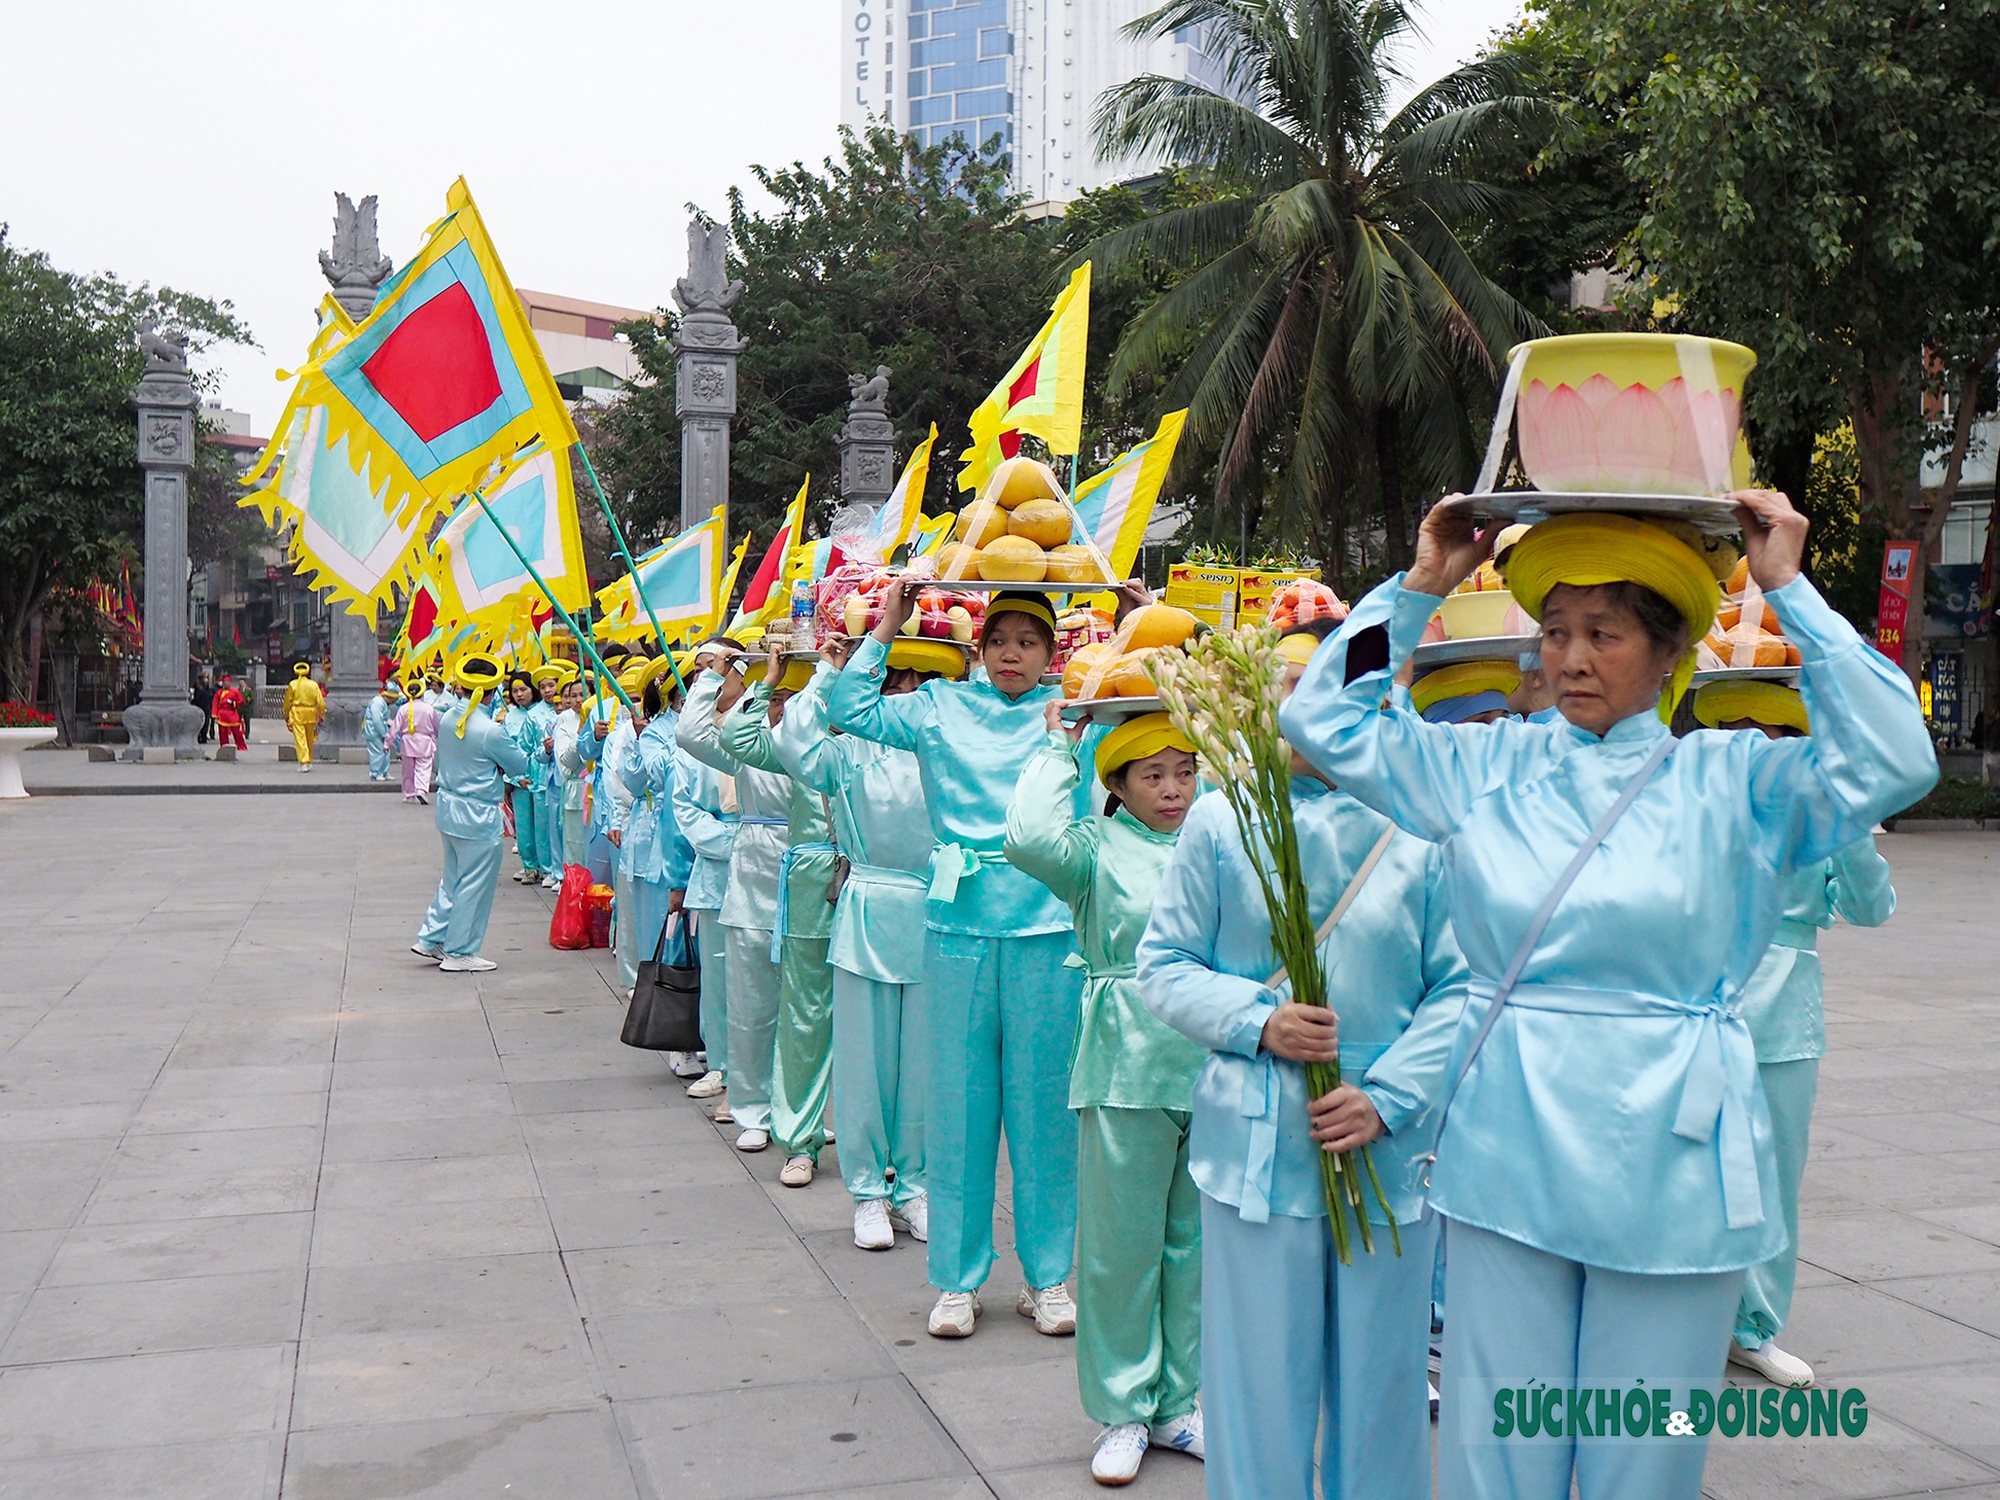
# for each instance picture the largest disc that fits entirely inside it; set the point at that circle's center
(283, 1211)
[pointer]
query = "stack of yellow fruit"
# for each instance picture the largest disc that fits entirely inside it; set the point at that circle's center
(1018, 531)
(1117, 668)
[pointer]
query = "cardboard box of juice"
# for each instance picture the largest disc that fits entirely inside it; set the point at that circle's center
(1198, 589)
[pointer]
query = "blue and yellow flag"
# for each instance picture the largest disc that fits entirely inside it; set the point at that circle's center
(681, 581)
(475, 569)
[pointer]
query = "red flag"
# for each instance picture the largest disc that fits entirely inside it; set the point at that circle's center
(766, 576)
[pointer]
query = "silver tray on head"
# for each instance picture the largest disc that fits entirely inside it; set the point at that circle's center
(1789, 676)
(1704, 512)
(968, 647)
(1473, 648)
(1110, 710)
(987, 586)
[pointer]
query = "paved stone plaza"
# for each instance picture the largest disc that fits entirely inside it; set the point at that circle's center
(285, 1211)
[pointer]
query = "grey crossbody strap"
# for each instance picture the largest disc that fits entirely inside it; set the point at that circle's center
(1346, 899)
(1534, 934)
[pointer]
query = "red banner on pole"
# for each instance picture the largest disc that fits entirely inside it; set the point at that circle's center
(1892, 612)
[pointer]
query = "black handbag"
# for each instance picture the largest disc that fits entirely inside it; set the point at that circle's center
(665, 1013)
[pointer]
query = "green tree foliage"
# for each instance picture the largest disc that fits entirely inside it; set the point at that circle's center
(69, 474)
(1328, 330)
(1823, 184)
(892, 254)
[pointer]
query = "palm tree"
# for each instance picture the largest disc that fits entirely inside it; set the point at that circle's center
(1329, 333)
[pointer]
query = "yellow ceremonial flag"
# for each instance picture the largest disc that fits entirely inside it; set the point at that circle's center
(1042, 394)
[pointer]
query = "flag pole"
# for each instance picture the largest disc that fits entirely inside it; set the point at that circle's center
(582, 633)
(638, 584)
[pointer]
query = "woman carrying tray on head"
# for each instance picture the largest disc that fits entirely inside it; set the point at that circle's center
(1002, 998)
(1606, 1161)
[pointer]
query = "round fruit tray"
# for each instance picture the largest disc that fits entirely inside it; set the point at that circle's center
(988, 586)
(1704, 512)
(1110, 710)
(1475, 648)
(1745, 674)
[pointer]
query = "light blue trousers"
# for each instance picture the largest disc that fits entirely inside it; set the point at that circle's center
(1789, 1089)
(1289, 1334)
(712, 949)
(464, 899)
(1521, 1317)
(550, 831)
(378, 758)
(753, 1025)
(575, 836)
(1003, 1021)
(878, 1086)
(530, 839)
(625, 924)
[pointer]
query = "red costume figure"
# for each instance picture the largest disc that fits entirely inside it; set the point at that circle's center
(228, 712)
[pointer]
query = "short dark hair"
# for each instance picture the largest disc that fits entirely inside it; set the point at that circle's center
(649, 701)
(522, 677)
(1665, 626)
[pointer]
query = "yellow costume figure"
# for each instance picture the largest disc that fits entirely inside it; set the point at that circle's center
(305, 708)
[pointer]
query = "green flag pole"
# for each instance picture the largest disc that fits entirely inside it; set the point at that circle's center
(582, 633)
(638, 586)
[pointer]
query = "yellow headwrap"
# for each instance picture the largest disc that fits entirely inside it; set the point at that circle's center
(300, 669)
(1590, 548)
(1000, 604)
(1298, 649)
(797, 675)
(478, 673)
(926, 656)
(1136, 739)
(1463, 679)
(658, 667)
(1719, 703)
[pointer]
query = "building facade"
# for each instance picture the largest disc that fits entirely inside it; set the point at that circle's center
(1028, 73)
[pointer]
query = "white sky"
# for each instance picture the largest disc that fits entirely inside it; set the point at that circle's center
(199, 145)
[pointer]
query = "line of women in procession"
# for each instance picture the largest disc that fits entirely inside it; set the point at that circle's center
(1572, 993)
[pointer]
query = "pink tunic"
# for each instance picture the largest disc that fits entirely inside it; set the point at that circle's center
(416, 725)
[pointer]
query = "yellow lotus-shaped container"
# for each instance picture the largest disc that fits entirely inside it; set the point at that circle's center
(1633, 413)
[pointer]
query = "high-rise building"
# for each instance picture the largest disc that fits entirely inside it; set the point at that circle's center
(1027, 72)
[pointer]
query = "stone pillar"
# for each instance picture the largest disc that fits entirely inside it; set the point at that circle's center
(867, 443)
(357, 268)
(163, 719)
(705, 354)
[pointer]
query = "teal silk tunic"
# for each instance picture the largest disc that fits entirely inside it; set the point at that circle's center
(808, 859)
(1783, 1004)
(1394, 976)
(470, 772)
(1614, 1116)
(880, 824)
(971, 743)
(750, 899)
(1108, 870)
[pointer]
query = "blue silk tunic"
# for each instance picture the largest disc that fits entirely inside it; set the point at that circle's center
(1784, 1003)
(1394, 977)
(653, 844)
(757, 854)
(1615, 1116)
(971, 742)
(469, 773)
(880, 824)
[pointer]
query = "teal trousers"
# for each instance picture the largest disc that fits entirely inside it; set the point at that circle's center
(878, 1086)
(1138, 1266)
(712, 949)
(1789, 1089)
(530, 810)
(802, 1059)
(1003, 1020)
(1523, 1319)
(753, 1025)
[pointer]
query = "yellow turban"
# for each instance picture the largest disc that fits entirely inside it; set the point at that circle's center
(653, 671)
(1298, 648)
(1136, 739)
(1719, 703)
(1589, 548)
(300, 669)
(926, 656)
(797, 675)
(479, 673)
(1464, 679)
(1000, 604)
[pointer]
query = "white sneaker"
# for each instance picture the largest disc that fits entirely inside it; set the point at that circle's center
(1183, 1434)
(472, 963)
(796, 1172)
(685, 1065)
(433, 954)
(1776, 1366)
(871, 1225)
(1050, 1307)
(753, 1140)
(550, 883)
(707, 1086)
(914, 1216)
(954, 1315)
(1119, 1449)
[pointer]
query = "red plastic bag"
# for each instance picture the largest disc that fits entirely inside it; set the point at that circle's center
(570, 926)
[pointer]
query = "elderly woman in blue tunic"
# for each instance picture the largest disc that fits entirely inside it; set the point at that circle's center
(996, 952)
(1606, 1161)
(1782, 1005)
(1287, 1331)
